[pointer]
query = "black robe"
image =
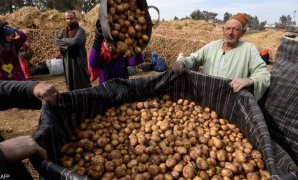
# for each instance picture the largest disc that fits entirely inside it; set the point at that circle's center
(74, 59)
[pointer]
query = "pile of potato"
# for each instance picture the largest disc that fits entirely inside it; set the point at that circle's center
(162, 139)
(128, 26)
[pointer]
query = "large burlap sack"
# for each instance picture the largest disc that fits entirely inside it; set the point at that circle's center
(57, 124)
(55, 66)
(280, 103)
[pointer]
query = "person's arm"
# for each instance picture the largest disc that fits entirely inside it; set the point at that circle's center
(13, 151)
(58, 40)
(190, 62)
(4, 166)
(79, 39)
(18, 94)
(19, 148)
(135, 60)
(195, 59)
(259, 74)
(21, 39)
(26, 94)
(94, 56)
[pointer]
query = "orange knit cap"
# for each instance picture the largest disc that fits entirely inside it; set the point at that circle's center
(242, 17)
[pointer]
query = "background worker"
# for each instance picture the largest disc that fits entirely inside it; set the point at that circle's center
(72, 40)
(10, 68)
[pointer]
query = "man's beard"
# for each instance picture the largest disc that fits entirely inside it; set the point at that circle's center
(231, 41)
(72, 25)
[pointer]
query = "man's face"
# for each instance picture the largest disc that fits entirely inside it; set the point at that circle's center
(233, 31)
(70, 18)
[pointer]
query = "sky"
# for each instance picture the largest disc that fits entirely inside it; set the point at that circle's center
(265, 10)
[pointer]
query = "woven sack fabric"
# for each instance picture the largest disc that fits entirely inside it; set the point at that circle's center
(57, 124)
(280, 103)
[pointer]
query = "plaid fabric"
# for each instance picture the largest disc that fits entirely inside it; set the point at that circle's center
(280, 103)
(57, 125)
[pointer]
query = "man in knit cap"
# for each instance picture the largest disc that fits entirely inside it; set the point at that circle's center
(231, 58)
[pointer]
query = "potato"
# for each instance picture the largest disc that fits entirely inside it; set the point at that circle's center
(167, 150)
(195, 153)
(221, 155)
(120, 171)
(127, 53)
(241, 157)
(202, 164)
(226, 172)
(137, 50)
(203, 175)
(159, 138)
(217, 143)
(153, 170)
(178, 168)
(232, 167)
(142, 20)
(211, 161)
(67, 162)
(97, 159)
(163, 168)
(115, 154)
(256, 154)
(211, 171)
(144, 158)
(84, 125)
(171, 162)
(132, 163)
(181, 150)
(253, 176)
(188, 172)
(131, 31)
(143, 167)
(102, 142)
(109, 166)
(96, 171)
(145, 37)
(247, 167)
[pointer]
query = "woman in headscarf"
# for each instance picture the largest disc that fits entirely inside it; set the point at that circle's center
(10, 68)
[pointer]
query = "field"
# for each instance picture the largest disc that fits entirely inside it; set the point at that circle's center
(168, 39)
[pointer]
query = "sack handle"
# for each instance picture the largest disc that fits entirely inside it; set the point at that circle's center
(157, 10)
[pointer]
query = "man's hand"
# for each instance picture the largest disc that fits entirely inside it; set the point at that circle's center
(46, 92)
(178, 68)
(19, 148)
(238, 84)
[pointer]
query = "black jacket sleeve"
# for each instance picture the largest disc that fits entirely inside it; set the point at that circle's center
(98, 36)
(18, 94)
